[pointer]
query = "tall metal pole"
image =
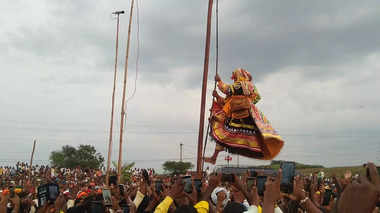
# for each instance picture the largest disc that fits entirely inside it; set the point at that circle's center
(180, 151)
(123, 100)
(117, 13)
(204, 88)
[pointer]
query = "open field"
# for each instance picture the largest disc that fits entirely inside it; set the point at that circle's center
(338, 171)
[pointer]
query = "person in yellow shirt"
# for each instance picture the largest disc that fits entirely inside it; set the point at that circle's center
(177, 192)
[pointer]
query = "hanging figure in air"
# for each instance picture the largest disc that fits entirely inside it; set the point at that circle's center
(236, 123)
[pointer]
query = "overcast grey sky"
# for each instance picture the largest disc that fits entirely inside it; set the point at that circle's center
(316, 65)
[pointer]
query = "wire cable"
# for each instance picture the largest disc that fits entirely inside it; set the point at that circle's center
(137, 51)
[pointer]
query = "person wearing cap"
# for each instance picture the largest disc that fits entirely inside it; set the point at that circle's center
(220, 197)
(82, 195)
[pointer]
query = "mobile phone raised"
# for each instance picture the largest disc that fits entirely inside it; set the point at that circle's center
(260, 181)
(107, 197)
(47, 193)
(327, 197)
(250, 182)
(198, 184)
(188, 185)
(228, 178)
(288, 173)
(158, 186)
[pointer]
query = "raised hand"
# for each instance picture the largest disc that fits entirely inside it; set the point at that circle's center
(177, 189)
(217, 77)
(239, 184)
(253, 196)
(213, 182)
(299, 188)
(194, 194)
(215, 94)
(361, 196)
(131, 205)
(272, 191)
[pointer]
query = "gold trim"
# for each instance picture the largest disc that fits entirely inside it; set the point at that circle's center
(242, 125)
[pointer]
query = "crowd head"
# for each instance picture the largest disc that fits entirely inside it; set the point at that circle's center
(49, 189)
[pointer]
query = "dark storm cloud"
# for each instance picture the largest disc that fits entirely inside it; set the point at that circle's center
(260, 36)
(293, 33)
(266, 36)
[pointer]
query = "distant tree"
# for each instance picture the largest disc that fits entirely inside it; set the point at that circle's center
(175, 167)
(126, 172)
(85, 156)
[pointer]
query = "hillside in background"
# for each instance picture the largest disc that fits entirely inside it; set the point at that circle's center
(275, 164)
(304, 169)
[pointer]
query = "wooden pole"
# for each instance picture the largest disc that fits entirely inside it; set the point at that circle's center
(31, 158)
(123, 101)
(204, 88)
(113, 99)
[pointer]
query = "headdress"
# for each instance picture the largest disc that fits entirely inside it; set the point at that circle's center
(241, 74)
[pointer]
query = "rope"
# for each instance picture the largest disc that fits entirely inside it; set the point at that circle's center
(137, 67)
(137, 60)
(216, 73)
(137, 52)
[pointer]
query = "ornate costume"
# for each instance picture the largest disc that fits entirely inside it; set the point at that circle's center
(237, 124)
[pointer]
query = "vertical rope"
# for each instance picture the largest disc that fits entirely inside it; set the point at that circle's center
(216, 72)
(137, 65)
(137, 51)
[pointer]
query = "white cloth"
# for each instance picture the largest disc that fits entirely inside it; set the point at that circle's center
(138, 199)
(277, 210)
(70, 203)
(252, 209)
(214, 196)
(245, 203)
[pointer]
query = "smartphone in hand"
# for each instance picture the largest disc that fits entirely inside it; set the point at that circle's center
(228, 178)
(250, 182)
(327, 197)
(198, 184)
(47, 193)
(288, 173)
(121, 189)
(188, 185)
(107, 197)
(253, 173)
(158, 186)
(260, 182)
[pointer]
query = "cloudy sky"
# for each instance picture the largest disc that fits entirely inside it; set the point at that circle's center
(316, 65)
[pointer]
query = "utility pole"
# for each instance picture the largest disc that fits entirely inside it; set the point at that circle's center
(204, 89)
(123, 100)
(117, 13)
(180, 151)
(31, 159)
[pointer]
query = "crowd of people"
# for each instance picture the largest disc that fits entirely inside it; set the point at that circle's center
(86, 190)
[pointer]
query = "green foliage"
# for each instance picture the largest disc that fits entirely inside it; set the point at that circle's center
(126, 172)
(174, 167)
(85, 156)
